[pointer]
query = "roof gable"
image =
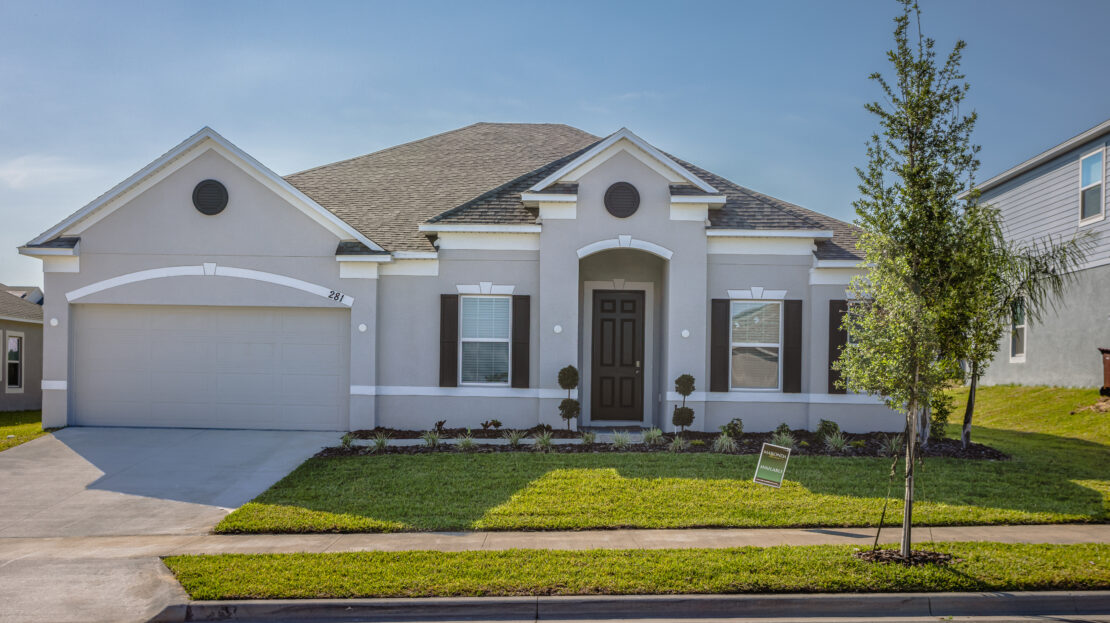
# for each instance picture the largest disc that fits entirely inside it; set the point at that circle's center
(188, 150)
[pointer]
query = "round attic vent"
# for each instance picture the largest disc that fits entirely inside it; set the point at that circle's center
(622, 199)
(210, 197)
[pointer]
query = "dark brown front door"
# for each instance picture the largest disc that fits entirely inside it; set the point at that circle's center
(617, 356)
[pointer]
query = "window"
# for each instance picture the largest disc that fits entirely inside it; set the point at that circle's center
(1017, 331)
(484, 333)
(756, 344)
(1090, 186)
(14, 361)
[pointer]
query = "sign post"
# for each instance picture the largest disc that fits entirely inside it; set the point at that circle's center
(771, 468)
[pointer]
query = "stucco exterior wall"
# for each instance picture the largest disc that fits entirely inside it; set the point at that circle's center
(29, 397)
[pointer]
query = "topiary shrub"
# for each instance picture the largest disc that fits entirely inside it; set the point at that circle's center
(569, 408)
(826, 429)
(683, 416)
(734, 428)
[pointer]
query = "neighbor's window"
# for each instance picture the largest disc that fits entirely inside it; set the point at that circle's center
(1017, 330)
(484, 334)
(1090, 186)
(756, 342)
(14, 360)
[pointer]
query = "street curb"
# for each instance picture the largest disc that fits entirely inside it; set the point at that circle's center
(647, 607)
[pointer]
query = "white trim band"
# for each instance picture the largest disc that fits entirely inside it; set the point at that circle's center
(54, 385)
(485, 287)
(458, 392)
(770, 233)
(623, 242)
(480, 228)
(777, 397)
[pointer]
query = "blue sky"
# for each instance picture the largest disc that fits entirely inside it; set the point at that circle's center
(768, 94)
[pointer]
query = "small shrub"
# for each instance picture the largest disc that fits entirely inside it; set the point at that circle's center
(431, 438)
(653, 436)
(514, 437)
(941, 407)
(724, 443)
(569, 409)
(589, 438)
(697, 443)
(803, 444)
(678, 444)
(494, 424)
(381, 442)
(827, 428)
(568, 378)
(543, 441)
(621, 440)
(783, 438)
(836, 442)
(858, 444)
(682, 417)
(783, 428)
(891, 445)
(440, 426)
(347, 441)
(466, 442)
(734, 428)
(542, 428)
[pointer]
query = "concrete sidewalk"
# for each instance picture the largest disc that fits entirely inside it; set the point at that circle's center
(71, 548)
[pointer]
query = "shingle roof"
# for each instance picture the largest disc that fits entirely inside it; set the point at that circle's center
(386, 195)
(12, 306)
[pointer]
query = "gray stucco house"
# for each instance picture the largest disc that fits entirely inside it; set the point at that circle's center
(1058, 193)
(447, 278)
(21, 349)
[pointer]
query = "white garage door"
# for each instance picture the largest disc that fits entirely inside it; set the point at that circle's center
(210, 367)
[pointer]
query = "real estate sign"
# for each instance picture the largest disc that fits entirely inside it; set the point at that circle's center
(772, 465)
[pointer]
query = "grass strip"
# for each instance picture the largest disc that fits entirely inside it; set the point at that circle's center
(782, 569)
(23, 426)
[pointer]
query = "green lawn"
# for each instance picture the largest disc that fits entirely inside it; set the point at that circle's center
(1060, 472)
(25, 425)
(784, 569)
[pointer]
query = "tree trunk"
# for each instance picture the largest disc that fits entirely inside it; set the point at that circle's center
(926, 424)
(965, 436)
(907, 511)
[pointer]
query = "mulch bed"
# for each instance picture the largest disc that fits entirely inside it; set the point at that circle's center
(808, 444)
(917, 557)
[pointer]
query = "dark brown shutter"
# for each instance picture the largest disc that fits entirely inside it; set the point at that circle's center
(838, 337)
(792, 347)
(521, 332)
(449, 340)
(718, 345)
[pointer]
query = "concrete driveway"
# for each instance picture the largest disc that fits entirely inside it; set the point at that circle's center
(124, 481)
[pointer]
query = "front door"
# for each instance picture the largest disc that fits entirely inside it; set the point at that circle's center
(617, 356)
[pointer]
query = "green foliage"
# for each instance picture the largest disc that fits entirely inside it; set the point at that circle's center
(569, 409)
(381, 442)
(783, 438)
(18, 427)
(835, 442)
(825, 428)
(892, 445)
(940, 409)
(466, 442)
(621, 440)
(682, 417)
(783, 428)
(684, 385)
(697, 443)
(347, 441)
(568, 378)
(514, 437)
(859, 444)
(589, 438)
(678, 444)
(734, 428)
(432, 439)
(724, 443)
(653, 436)
(543, 442)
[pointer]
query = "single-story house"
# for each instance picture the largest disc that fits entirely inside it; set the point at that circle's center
(27, 293)
(21, 337)
(1056, 194)
(450, 278)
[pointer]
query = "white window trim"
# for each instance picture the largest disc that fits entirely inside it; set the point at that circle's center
(22, 362)
(731, 345)
(508, 340)
(1024, 326)
(1101, 181)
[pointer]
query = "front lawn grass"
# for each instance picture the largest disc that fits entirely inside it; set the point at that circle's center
(24, 425)
(1060, 472)
(780, 569)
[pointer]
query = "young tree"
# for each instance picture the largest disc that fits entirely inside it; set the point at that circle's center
(904, 316)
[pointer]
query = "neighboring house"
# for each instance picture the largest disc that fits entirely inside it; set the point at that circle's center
(27, 293)
(450, 278)
(1056, 194)
(21, 347)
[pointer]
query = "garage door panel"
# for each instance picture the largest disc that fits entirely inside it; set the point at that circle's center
(210, 367)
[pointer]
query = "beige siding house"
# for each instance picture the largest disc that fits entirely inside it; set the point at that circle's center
(21, 341)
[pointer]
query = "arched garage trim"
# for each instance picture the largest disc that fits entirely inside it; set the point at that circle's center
(625, 242)
(211, 270)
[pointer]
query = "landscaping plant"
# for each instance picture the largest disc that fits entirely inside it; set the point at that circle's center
(825, 428)
(678, 444)
(724, 443)
(836, 442)
(514, 437)
(589, 438)
(783, 438)
(440, 426)
(569, 408)
(734, 428)
(683, 416)
(466, 442)
(653, 436)
(381, 442)
(431, 439)
(347, 441)
(494, 424)
(543, 441)
(621, 440)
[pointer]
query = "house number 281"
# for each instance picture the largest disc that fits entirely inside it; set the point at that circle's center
(337, 296)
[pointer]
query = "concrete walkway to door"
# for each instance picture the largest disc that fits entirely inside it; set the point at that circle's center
(122, 483)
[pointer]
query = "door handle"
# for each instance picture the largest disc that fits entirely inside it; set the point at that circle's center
(637, 366)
